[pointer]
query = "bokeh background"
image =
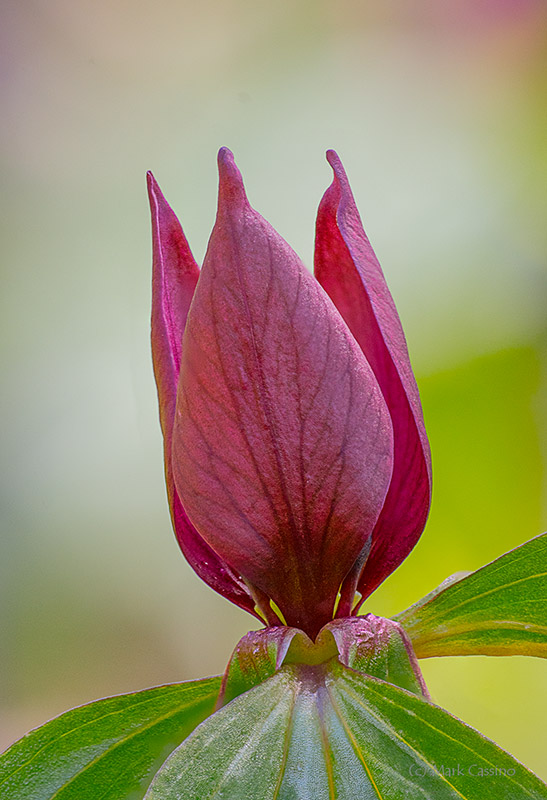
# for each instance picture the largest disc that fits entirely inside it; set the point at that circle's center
(439, 112)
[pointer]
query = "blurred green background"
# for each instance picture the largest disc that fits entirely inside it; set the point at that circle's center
(438, 111)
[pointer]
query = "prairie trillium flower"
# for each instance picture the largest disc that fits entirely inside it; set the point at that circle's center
(296, 458)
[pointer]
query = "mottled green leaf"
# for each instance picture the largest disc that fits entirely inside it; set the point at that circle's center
(378, 647)
(323, 732)
(107, 750)
(256, 657)
(501, 609)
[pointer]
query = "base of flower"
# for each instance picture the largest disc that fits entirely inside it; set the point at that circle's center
(370, 645)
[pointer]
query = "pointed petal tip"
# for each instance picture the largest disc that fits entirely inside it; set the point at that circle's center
(230, 181)
(331, 197)
(333, 158)
(338, 168)
(227, 167)
(155, 195)
(225, 155)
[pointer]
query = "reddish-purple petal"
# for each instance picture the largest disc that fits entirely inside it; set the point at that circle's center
(174, 278)
(282, 446)
(346, 266)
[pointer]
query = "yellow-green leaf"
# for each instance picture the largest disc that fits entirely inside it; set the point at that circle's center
(501, 609)
(109, 749)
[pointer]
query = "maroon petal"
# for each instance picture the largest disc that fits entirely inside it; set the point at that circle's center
(282, 446)
(346, 266)
(174, 277)
(175, 274)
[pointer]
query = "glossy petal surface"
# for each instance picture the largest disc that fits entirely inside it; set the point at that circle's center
(282, 448)
(347, 267)
(174, 279)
